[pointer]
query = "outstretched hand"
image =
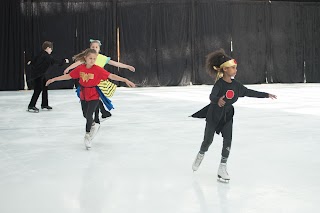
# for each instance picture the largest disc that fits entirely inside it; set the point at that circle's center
(272, 96)
(131, 68)
(49, 81)
(221, 102)
(130, 84)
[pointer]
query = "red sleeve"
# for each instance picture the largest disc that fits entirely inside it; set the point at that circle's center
(104, 74)
(75, 73)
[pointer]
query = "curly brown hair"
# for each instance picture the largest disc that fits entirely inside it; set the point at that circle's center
(213, 62)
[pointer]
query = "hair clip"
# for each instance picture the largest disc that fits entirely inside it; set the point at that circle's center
(94, 40)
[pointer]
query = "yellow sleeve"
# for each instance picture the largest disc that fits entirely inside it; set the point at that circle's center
(102, 60)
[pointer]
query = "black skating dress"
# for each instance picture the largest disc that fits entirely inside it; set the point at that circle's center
(217, 116)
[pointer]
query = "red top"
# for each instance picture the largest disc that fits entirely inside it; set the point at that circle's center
(88, 79)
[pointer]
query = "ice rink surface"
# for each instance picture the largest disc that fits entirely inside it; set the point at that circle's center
(141, 158)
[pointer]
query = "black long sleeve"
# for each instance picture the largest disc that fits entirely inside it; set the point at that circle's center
(42, 62)
(244, 91)
(214, 94)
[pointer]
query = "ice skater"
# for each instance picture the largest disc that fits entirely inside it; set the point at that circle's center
(107, 87)
(219, 113)
(89, 76)
(39, 66)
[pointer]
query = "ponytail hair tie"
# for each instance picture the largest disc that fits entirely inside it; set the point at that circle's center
(97, 41)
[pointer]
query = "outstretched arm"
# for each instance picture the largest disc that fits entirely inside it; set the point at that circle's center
(272, 96)
(118, 78)
(59, 62)
(121, 65)
(59, 78)
(72, 66)
(244, 91)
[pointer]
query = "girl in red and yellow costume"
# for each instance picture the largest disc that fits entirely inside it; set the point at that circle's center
(107, 87)
(89, 76)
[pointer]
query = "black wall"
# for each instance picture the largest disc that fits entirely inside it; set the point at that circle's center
(166, 40)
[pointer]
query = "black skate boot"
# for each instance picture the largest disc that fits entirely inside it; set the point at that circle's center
(105, 116)
(46, 107)
(33, 109)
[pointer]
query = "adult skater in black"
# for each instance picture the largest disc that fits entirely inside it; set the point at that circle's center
(39, 66)
(219, 113)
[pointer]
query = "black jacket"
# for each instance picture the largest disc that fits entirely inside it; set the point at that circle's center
(40, 64)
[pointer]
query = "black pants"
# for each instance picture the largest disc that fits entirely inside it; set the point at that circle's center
(226, 134)
(39, 86)
(88, 108)
(104, 112)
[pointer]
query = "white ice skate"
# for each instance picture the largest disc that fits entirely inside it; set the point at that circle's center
(223, 175)
(87, 141)
(94, 130)
(197, 162)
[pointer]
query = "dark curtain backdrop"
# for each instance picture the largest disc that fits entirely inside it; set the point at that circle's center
(249, 40)
(212, 31)
(311, 23)
(286, 39)
(11, 50)
(166, 40)
(173, 43)
(136, 36)
(156, 39)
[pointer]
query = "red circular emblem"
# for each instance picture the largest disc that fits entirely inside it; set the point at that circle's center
(229, 94)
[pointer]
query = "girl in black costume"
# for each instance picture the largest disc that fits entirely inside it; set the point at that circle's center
(219, 113)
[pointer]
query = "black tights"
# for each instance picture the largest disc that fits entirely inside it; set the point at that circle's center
(226, 134)
(88, 108)
(103, 111)
(39, 86)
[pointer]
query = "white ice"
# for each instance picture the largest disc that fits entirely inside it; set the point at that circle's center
(141, 158)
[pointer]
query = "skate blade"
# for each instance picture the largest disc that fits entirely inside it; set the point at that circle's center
(104, 119)
(33, 111)
(223, 180)
(87, 147)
